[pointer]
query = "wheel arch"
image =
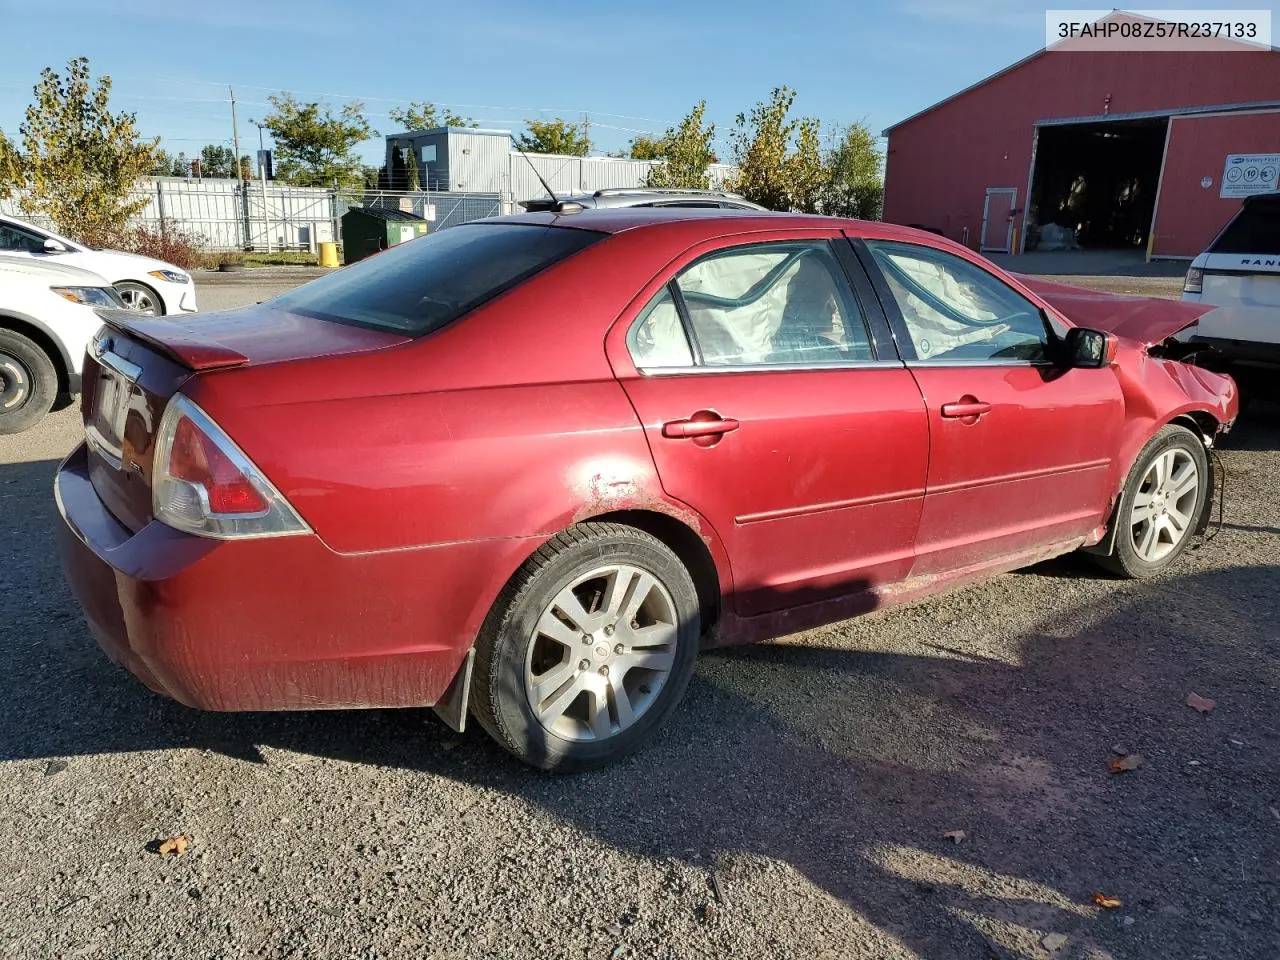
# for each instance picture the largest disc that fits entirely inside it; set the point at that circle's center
(1202, 422)
(37, 334)
(687, 545)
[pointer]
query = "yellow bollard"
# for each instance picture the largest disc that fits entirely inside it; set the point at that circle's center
(328, 254)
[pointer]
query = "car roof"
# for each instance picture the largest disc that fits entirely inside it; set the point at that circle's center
(619, 219)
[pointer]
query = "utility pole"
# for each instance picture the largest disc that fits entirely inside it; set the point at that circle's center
(262, 170)
(239, 174)
(235, 136)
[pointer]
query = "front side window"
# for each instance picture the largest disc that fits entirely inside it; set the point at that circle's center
(424, 284)
(15, 239)
(774, 303)
(956, 311)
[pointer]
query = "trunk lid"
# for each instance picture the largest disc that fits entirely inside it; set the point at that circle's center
(135, 364)
(1149, 320)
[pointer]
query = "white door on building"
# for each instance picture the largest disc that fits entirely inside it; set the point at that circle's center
(997, 220)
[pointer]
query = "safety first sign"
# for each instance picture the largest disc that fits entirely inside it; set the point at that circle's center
(1248, 173)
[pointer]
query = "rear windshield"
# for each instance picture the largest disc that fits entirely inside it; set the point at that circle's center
(1256, 229)
(421, 285)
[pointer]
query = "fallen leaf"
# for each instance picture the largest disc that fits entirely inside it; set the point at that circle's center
(959, 836)
(1197, 702)
(1124, 764)
(1054, 941)
(1106, 902)
(174, 846)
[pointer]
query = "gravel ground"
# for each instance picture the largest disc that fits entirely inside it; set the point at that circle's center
(795, 806)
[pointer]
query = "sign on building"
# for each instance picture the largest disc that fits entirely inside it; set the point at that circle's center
(1248, 173)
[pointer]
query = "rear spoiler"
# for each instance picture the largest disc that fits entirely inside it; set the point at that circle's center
(175, 339)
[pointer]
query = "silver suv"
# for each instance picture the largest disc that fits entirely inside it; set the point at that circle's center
(641, 197)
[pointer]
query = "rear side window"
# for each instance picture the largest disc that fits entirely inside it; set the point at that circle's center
(422, 285)
(1255, 229)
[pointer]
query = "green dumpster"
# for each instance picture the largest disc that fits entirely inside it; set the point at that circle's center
(366, 230)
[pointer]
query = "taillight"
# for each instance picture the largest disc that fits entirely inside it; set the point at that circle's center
(1194, 282)
(202, 483)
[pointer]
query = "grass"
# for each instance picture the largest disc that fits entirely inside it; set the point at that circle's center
(286, 258)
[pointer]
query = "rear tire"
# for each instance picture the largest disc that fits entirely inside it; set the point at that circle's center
(1160, 505)
(28, 383)
(588, 650)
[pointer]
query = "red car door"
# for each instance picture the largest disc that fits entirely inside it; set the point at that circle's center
(770, 412)
(1021, 449)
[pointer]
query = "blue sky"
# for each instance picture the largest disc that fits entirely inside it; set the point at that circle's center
(630, 67)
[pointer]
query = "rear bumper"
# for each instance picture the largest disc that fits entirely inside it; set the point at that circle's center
(1245, 352)
(272, 624)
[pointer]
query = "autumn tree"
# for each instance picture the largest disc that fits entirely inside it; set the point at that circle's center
(779, 157)
(9, 168)
(424, 115)
(77, 162)
(556, 136)
(314, 147)
(645, 147)
(687, 153)
(854, 184)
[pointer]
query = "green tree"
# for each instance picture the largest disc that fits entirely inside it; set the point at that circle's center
(645, 147)
(314, 147)
(425, 115)
(161, 164)
(78, 162)
(855, 186)
(687, 153)
(556, 136)
(181, 166)
(217, 160)
(778, 156)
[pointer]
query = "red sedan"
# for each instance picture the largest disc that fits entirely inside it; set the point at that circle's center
(525, 468)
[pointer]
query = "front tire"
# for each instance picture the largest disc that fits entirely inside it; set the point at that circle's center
(588, 650)
(28, 383)
(140, 298)
(1161, 504)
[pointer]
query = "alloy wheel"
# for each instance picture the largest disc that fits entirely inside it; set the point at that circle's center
(601, 652)
(15, 383)
(139, 299)
(1164, 506)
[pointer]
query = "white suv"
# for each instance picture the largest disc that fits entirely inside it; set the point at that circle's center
(48, 316)
(146, 284)
(1240, 275)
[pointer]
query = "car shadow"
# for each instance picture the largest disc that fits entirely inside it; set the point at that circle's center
(842, 763)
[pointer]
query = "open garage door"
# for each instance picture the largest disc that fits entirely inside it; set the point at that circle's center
(1096, 182)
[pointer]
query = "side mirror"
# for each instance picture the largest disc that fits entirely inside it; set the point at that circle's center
(1088, 349)
(54, 246)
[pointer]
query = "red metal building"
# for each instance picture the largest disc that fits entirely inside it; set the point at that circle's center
(1127, 148)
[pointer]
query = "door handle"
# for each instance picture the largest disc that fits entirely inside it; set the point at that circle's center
(967, 408)
(692, 429)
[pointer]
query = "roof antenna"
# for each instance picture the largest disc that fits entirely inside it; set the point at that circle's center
(558, 205)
